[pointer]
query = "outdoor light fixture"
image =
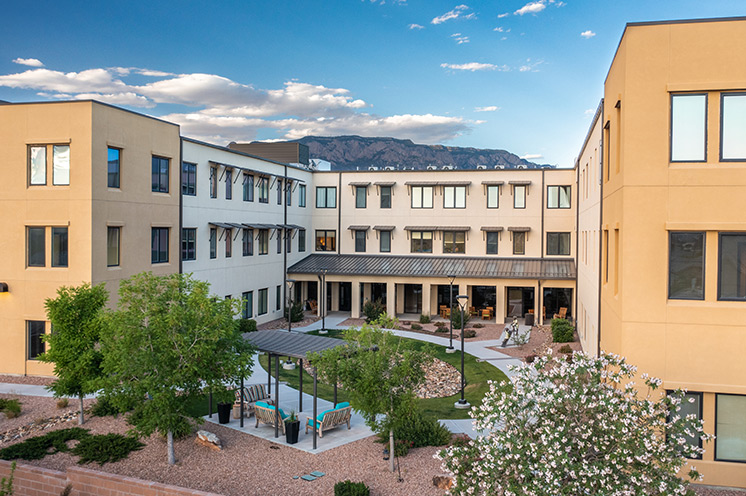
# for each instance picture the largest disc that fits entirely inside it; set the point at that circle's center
(288, 365)
(386, 454)
(450, 348)
(3, 287)
(322, 301)
(462, 403)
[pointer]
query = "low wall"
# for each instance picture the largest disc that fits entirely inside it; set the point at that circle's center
(29, 480)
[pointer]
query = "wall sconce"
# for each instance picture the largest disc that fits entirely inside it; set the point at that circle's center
(3, 287)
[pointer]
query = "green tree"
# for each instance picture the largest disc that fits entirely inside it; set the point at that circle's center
(76, 316)
(169, 342)
(379, 372)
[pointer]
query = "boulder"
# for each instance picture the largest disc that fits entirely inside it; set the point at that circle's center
(209, 439)
(442, 482)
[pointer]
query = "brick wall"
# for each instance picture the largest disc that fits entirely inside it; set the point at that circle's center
(34, 481)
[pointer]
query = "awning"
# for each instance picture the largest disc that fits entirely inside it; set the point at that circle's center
(520, 183)
(363, 184)
(358, 228)
(224, 225)
(289, 226)
(519, 229)
(454, 228)
(492, 228)
(384, 228)
(421, 183)
(384, 183)
(420, 228)
(493, 183)
(261, 226)
(454, 183)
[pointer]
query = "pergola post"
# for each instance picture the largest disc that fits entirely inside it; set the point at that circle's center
(300, 381)
(269, 372)
(315, 406)
(277, 396)
(240, 395)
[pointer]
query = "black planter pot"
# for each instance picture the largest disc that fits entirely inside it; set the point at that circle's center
(224, 412)
(291, 431)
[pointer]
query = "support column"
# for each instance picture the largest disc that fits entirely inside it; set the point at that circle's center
(400, 299)
(355, 295)
(391, 299)
(500, 302)
(367, 291)
(319, 298)
(426, 293)
(463, 289)
(335, 296)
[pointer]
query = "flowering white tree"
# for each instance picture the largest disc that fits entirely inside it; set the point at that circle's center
(576, 426)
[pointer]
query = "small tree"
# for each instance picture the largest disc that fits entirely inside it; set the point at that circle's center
(379, 372)
(76, 316)
(168, 343)
(576, 426)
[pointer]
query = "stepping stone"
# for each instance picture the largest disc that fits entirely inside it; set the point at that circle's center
(316, 473)
(308, 477)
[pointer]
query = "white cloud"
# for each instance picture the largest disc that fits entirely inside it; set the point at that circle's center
(531, 8)
(474, 66)
(499, 30)
(415, 26)
(588, 34)
(589, 112)
(504, 14)
(532, 156)
(459, 38)
(530, 66)
(458, 12)
(491, 108)
(28, 62)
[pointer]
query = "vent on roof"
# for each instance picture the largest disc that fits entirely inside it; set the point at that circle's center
(373, 168)
(432, 167)
(481, 167)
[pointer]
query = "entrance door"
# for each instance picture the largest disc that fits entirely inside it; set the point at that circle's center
(520, 301)
(413, 298)
(345, 296)
(378, 292)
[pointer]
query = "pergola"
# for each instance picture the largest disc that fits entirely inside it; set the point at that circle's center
(291, 344)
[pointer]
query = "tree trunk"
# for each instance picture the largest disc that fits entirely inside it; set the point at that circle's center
(81, 418)
(170, 444)
(391, 449)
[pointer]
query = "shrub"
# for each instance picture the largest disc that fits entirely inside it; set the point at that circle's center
(530, 358)
(105, 448)
(424, 319)
(38, 447)
(373, 310)
(416, 326)
(470, 333)
(565, 348)
(246, 325)
(62, 403)
(562, 331)
(478, 325)
(440, 323)
(417, 431)
(6, 485)
(456, 317)
(11, 408)
(441, 329)
(104, 408)
(385, 322)
(349, 488)
(296, 312)
(460, 440)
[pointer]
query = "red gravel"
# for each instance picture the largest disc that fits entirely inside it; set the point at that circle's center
(27, 379)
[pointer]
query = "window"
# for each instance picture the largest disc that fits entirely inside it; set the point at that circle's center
(160, 174)
(454, 196)
(454, 242)
(279, 241)
(422, 197)
(288, 241)
(60, 165)
(691, 405)
(279, 191)
(248, 305)
(732, 267)
(188, 179)
(263, 190)
(492, 243)
(248, 187)
(730, 428)
(361, 197)
(37, 165)
(263, 241)
(385, 196)
(686, 265)
(385, 241)
(159, 245)
(302, 195)
(558, 243)
(493, 196)
(113, 237)
(113, 156)
(289, 193)
(35, 249)
(733, 126)
(213, 182)
(558, 196)
(59, 247)
(688, 128)
(326, 197)
(228, 243)
(36, 345)
(213, 242)
(189, 243)
(360, 241)
(519, 243)
(262, 301)
(326, 240)
(228, 184)
(278, 297)
(248, 242)
(519, 196)
(302, 240)
(422, 241)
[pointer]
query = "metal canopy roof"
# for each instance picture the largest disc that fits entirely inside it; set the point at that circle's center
(292, 344)
(385, 183)
(358, 228)
(520, 183)
(492, 228)
(454, 228)
(519, 229)
(384, 228)
(420, 228)
(454, 183)
(359, 183)
(436, 266)
(493, 183)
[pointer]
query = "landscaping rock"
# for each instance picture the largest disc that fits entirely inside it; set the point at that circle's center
(442, 482)
(209, 439)
(38, 425)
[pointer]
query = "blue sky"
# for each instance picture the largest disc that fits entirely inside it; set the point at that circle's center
(523, 75)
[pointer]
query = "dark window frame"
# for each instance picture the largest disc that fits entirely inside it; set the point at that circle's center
(360, 241)
(36, 336)
(62, 259)
(302, 195)
(160, 186)
(496, 235)
(703, 234)
(721, 235)
(213, 243)
(280, 182)
(29, 170)
(263, 309)
(228, 242)
(118, 174)
(118, 230)
(278, 298)
(188, 243)
(361, 199)
(723, 96)
(263, 238)
(516, 235)
(569, 197)
(670, 127)
(213, 182)
(326, 240)
(422, 197)
(455, 189)
(155, 233)
(247, 242)
(523, 188)
(248, 187)
(497, 196)
(322, 201)
(453, 244)
(421, 241)
(701, 413)
(263, 187)
(715, 450)
(188, 179)
(43, 246)
(388, 195)
(228, 184)
(381, 235)
(247, 304)
(559, 244)
(301, 240)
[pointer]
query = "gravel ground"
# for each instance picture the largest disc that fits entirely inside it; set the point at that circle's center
(21, 379)
(540, 340)
(35, 409)
(309, 319)
(489, 331)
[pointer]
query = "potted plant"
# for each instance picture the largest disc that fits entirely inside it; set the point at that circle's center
(292, 428)
(224, 412)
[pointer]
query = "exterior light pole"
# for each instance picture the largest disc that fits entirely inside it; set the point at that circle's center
(462, 403)
(450, 348)
(288, 365)
(322, 301)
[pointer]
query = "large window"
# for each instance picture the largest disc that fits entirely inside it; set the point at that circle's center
(326, 197)
(493, 196)
(289, 193)
(228, 184)
(278, 232)
(213, 242)
(686, 265)
(519, 196)
(263, 241)
(360, 241)
(558, 243)
(302, 195)
(361, 196)
(228, 243)
(248, 242)
(385, 196)
(278, 297)
(213, 182)
(422, 197)
(113, 158)
(263, 190)
(288, 241)
(558, 196)
(301, 240)
(519, 243)
(422, 241)
(35, 247)
(732, 267)
(279, 191)
(454, 242)
(159, 245)
(36, 345)
(385, 241)
(692, 405)
(247, 311)
(188, 179)
(113, 240)
(263, 293)
(454, 196)
(60, 164)
(688, 128)
(248, 187)
(189, 243)
(492, 238)
(730, 428)
(733, 127)
(37, 165)
(326, 240)
(59, 247)
(160, 174)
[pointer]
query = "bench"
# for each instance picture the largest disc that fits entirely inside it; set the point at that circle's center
(265, 414)
(330, 419)
(250, 395)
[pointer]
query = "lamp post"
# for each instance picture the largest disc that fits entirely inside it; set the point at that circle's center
(288, 365)
(450, 348)
(462, 403)
(322, 301)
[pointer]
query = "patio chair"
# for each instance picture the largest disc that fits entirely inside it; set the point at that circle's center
(562, 313)
(442, 311)
(312, 305)
(250, 395)
(330, 419)
(486, 314)
(265, 414)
